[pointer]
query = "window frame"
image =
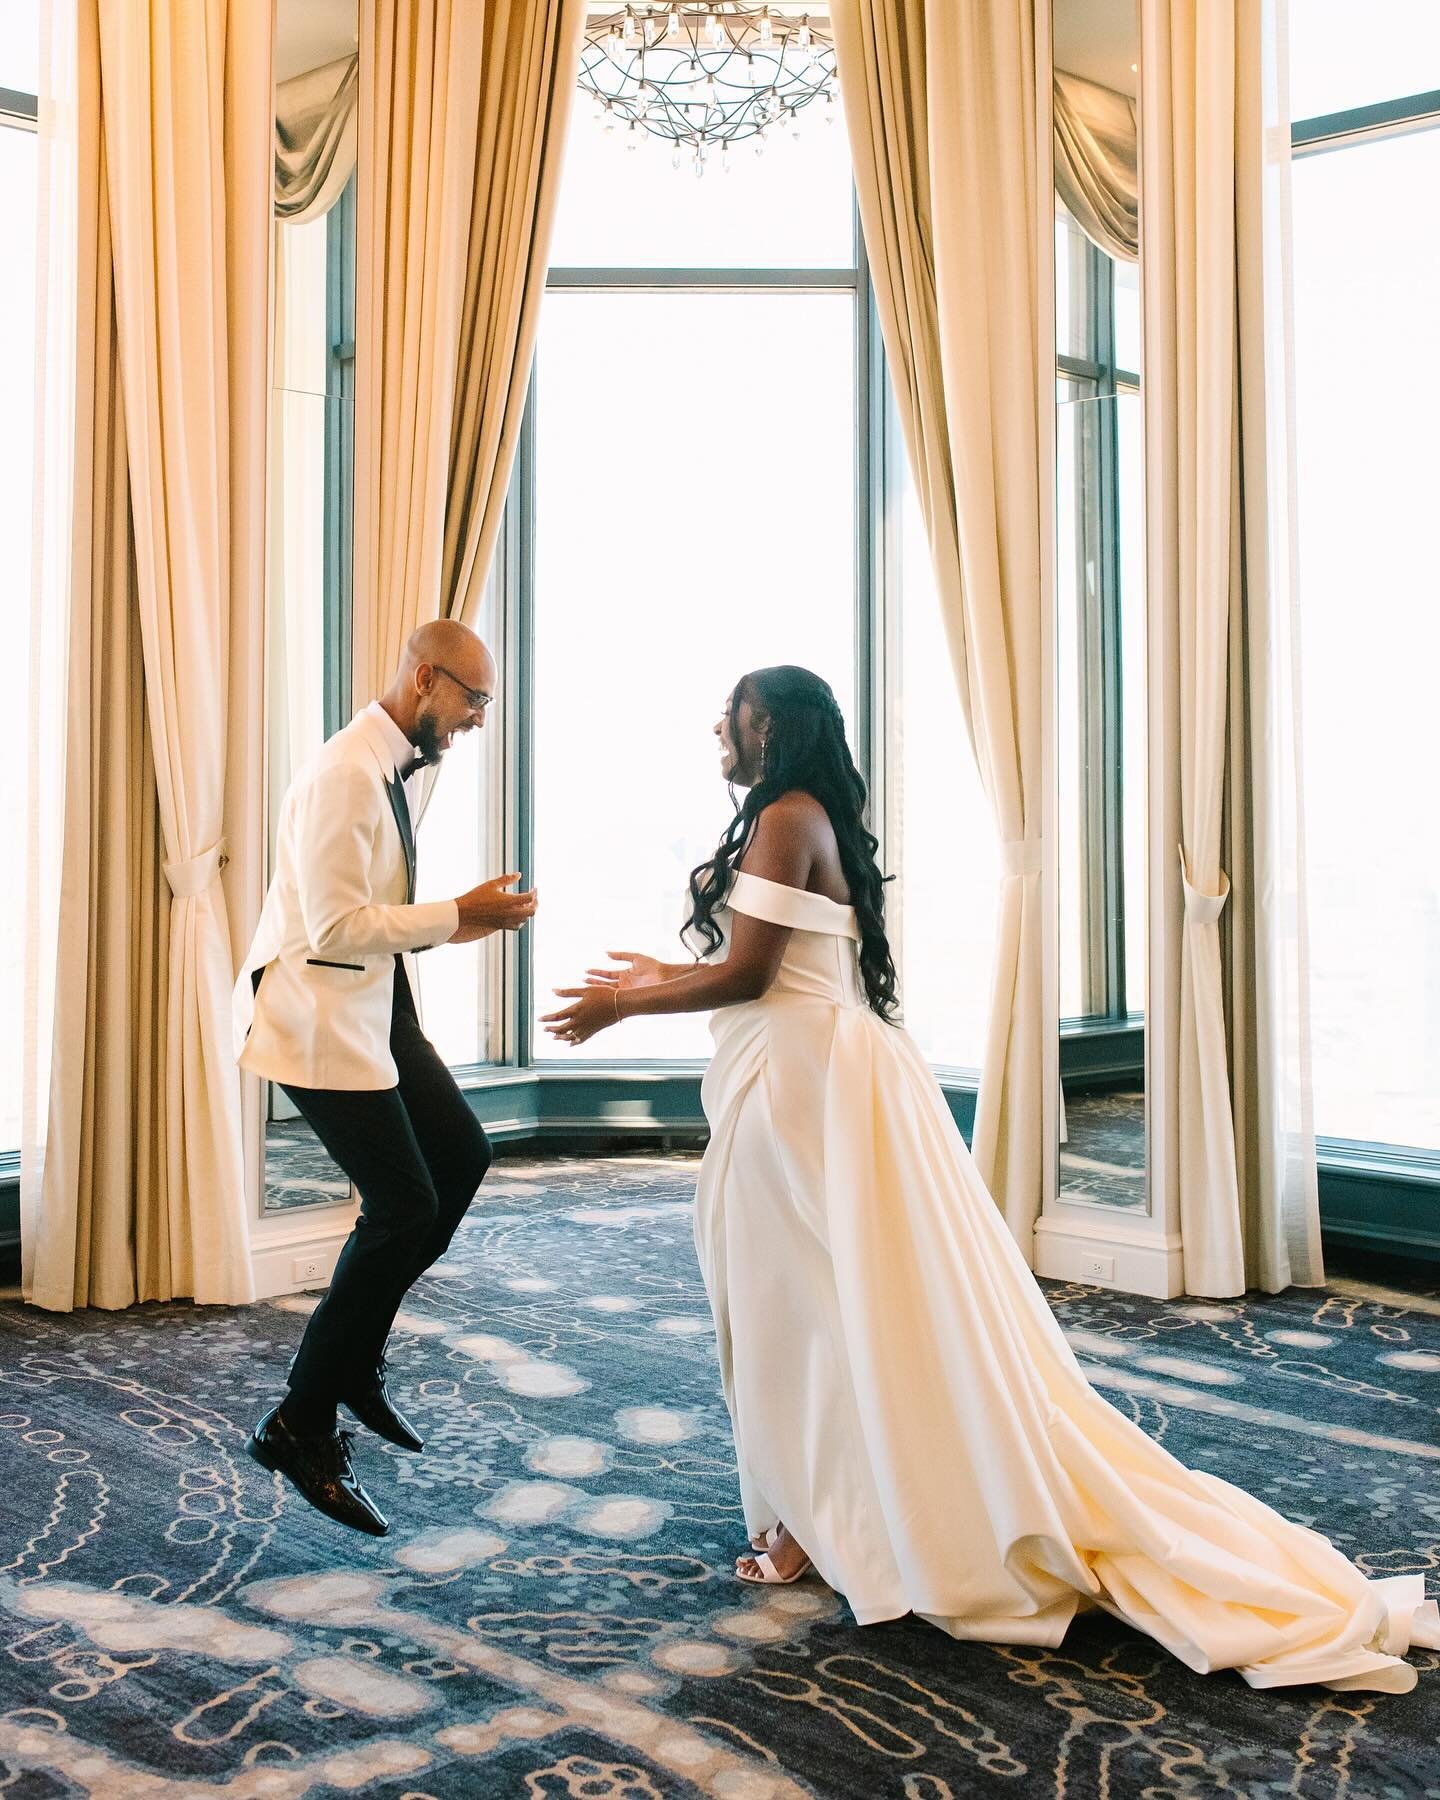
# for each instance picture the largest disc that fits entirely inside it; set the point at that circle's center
(19, 111)
(515, 616)
(1102, 701)
(339, 546)
(1385, 118)
(1371, 1173)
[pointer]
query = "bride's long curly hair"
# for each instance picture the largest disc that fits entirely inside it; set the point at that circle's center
(805, 750)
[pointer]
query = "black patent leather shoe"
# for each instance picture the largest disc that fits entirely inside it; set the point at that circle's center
(320, 1470)
(372, 1406)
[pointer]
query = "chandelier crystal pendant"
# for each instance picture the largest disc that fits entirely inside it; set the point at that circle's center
(698, 76)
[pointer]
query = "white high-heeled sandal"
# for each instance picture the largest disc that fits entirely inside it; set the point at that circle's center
(769, 1575)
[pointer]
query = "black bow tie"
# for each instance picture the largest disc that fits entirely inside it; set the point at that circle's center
(410, 768)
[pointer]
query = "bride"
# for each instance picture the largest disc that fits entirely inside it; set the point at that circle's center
(908, 1416)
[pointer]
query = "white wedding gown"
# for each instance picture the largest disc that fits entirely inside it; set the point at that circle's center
(903, 1399)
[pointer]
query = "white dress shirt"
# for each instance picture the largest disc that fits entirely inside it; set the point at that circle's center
(402, 751)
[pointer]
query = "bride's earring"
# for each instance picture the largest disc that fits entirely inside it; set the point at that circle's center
(765, 756)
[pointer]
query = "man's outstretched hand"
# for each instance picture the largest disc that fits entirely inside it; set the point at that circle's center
(490, 908)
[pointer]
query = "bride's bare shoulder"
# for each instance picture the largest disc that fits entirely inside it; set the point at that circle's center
(785, 826)
(794, 842)
(796, 811)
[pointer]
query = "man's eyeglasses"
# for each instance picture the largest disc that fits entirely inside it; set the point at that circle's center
(475, 698)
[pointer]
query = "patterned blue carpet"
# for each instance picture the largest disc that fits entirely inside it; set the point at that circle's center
(554, 1615)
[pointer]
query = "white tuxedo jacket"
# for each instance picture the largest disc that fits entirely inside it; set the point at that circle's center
(334, 918)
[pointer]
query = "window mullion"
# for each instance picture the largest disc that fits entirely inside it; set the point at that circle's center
(1388, 118)
(1110, 874)
(518, 598)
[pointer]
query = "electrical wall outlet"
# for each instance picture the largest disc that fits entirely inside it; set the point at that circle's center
(310, 1271)
(1099, 1268)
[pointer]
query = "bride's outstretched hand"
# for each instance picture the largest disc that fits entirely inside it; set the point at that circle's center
(639, 971)
(591, 1009)
(596, 1005)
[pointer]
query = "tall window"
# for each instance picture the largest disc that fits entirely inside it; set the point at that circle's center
(1100, 634)
(1367, 275)
(694, 494)
(19, 59)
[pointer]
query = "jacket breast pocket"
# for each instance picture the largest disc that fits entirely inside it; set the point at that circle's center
(319, 962)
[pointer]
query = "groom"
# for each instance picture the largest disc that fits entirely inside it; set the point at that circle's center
(325, 1007)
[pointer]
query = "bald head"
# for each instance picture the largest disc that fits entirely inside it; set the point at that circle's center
(443, 686)
(445, 641)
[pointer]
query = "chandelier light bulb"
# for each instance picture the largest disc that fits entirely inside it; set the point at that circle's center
(613, 43)
(672, 29)
(767, 33)
(629, 34)
(632, 136)
(805, 34)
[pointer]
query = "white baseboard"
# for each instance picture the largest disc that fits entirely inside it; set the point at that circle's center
(290, 1253)
(1136, 1258)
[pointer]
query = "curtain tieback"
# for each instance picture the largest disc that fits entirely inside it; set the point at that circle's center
(1021, 856)
(188, 880)
(1201, 908)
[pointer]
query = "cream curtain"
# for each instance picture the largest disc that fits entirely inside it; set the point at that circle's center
(1217, 553)
(186, 109)
(1265, 950)
(463, 113)
(941, 109)
(315, 133)
(249, 179)
(95, 1233)
(131, 1185)
(1096, 163)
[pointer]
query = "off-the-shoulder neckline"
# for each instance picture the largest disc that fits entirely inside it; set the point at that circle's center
(784, 887)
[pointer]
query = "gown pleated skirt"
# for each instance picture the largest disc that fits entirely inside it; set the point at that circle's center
(904, 1401)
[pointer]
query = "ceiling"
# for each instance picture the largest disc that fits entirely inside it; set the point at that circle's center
(1099, 39)
(311, 33)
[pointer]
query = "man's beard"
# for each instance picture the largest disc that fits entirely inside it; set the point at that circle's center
(427, 741)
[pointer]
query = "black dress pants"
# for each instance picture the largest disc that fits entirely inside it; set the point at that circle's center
(416, 1153)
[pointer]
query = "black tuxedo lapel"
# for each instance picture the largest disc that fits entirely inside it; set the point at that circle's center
(400, 806)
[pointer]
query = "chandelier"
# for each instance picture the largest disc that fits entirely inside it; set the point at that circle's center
(700, 76)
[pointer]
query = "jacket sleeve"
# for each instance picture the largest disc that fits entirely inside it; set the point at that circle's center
(335, 823)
